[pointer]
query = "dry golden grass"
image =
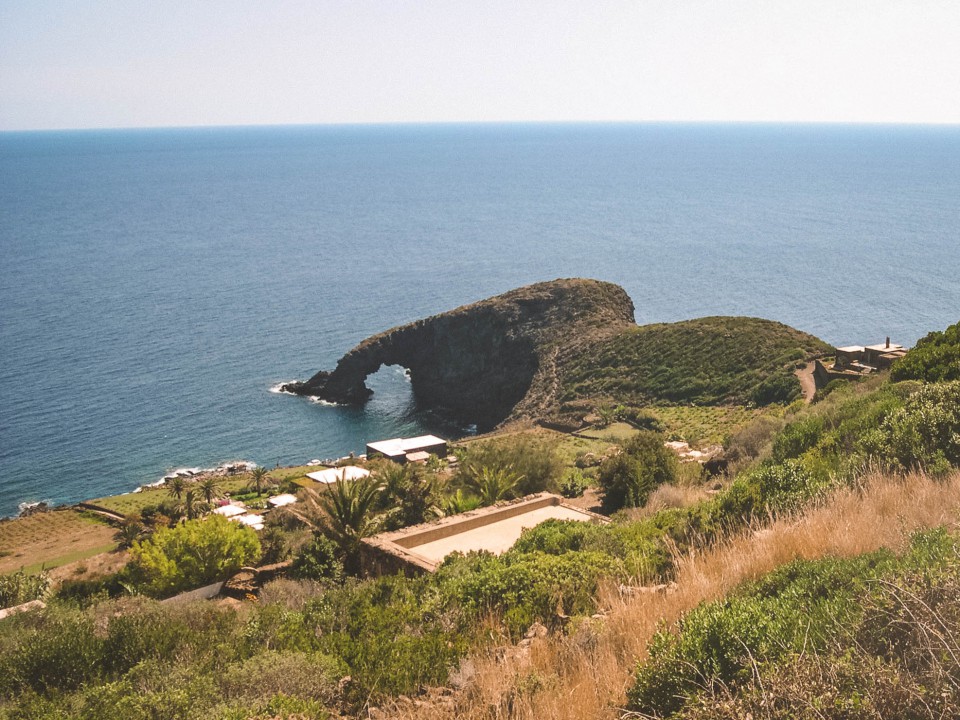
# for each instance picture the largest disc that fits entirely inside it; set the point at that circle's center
(585, 673)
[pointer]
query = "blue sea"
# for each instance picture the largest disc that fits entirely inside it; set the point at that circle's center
(156, 284)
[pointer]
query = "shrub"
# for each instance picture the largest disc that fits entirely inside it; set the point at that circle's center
(534, 459)
(57, 649)
(574, 483)
(780, 388)
(19, 587)
(302, 675)
(925, 432)
(525, 587)
(192, 554)
(796, 607)
(318, 560)
(798, 437)
(936, 358)
(628, 479)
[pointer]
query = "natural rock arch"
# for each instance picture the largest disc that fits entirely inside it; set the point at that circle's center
(484, 363)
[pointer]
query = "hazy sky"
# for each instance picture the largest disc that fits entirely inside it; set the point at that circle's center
(120, 63)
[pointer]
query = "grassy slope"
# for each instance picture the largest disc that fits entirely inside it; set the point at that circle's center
(595, 663)
(714, 360)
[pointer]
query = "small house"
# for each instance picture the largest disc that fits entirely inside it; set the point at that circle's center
(403, 450)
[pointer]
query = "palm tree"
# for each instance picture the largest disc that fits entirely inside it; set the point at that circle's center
(210, 488)
(191, 504)
(260, 479)
(410, 495)
(176, 485)
(492, 485)
(394, 479)
(343, 513)
(129, 532)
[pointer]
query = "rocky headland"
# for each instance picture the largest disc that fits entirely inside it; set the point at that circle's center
(490, 361)
(537, 352)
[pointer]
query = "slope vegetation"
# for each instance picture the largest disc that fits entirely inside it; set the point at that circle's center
(708, 361)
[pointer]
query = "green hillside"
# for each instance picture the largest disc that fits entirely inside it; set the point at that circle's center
(713, 360)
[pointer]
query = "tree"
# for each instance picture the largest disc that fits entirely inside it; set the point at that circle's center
(409, 495)
(345, 514)
(192, 554)
(260, 479)
(129, 532)
(176, 486)
(210, 488)
(627, 479)
(191, 505)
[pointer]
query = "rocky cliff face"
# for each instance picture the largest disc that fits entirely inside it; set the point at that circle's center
(496, 360)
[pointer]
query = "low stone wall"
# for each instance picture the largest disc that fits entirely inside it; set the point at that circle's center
(396, 551)
(822, 375)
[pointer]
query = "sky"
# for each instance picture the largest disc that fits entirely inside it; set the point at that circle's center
(133, 63)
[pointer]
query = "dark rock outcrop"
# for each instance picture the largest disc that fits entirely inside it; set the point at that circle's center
(495, 360)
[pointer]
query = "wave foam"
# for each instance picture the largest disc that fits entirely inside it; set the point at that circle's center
(320, 401)
(278, 388)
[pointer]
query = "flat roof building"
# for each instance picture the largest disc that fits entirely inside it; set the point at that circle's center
(399, 449)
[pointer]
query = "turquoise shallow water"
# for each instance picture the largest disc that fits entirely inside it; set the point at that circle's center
(156, 284)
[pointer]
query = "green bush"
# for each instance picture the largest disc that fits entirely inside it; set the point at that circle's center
(797, 607)
(525, 587)
(627, 479)
(798, 437)
(394, 634)
(19, 587)
(192, 554)
(799, 610)
(318, 560)
(936, 358)
(925, 432)
(574, 483)
(56, 649)
(535, 460)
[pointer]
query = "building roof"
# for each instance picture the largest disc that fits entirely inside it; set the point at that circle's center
(230, 510)
(402, 446)
(250, 520)
(851, 349)
(881, 347)
(331, 475)
(281, 500)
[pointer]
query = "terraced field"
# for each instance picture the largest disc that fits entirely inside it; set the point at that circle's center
(51, 539)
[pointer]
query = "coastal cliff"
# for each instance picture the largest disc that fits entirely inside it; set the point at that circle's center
(490, 361)
(553, 350)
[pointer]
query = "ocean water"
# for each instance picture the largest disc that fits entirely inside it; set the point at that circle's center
(156, 284)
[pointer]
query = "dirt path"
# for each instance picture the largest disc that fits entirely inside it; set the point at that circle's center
(807, 384)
